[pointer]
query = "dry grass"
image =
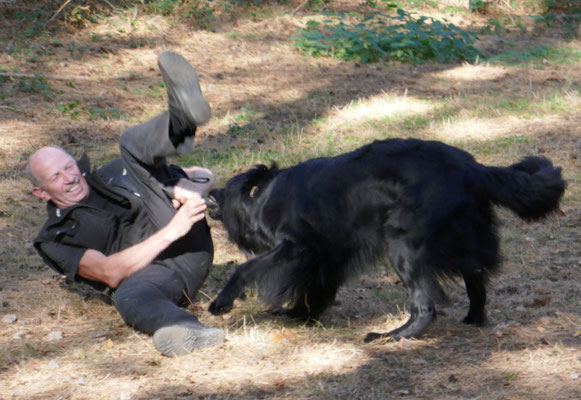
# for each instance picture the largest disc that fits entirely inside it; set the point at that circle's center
(271, 103)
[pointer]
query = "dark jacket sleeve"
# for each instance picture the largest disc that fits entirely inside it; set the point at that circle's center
(62, 258)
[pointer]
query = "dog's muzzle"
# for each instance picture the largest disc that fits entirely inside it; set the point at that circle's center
(213, 207)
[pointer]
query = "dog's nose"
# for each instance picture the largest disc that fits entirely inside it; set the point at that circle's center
(211, 202)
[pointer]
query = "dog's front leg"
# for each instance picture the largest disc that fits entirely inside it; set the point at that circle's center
(246, 274)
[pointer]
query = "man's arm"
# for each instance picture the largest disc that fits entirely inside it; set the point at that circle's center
(114, 268)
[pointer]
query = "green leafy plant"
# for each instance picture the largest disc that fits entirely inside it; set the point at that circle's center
(79, 15)
(477, 5)
(198, 12)
(32, 22)
(161, 7)
(201, 14)
(107, 113)
(379, 36)
(35, 84)
(68, 109)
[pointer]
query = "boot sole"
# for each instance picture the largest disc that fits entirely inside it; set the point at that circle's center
(178, 340)
(182, 80)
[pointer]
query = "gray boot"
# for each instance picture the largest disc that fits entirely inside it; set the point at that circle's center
(183, 338)
(187, 106)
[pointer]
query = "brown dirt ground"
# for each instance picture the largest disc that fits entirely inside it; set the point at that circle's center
(69, 345)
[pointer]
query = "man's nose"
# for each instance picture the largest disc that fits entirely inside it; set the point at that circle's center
(70, 176)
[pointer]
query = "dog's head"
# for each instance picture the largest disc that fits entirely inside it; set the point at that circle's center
(238, 204)
(240, 193)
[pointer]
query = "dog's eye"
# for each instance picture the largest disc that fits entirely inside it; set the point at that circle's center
(253, 191)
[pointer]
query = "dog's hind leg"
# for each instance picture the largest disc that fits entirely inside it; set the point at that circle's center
(476, 289)
(421, 288)
(423, 312)
(248, 273)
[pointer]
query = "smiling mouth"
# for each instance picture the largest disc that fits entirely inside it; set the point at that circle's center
(75, 186)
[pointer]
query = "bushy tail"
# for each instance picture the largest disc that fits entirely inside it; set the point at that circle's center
(530, 188)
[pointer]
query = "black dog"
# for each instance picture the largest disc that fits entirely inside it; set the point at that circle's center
(426, 205)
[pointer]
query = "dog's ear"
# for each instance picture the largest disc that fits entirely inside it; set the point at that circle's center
(261, 167)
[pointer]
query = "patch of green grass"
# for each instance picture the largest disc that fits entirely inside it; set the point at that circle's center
(199, 13)
(106, 113)
(246, 114)
(226, 158)
(445, 112)
(508, 141)
(535, 104)
(244, 129)
(19, 49)
(387, 125)
(69, 110)
(77, 51)
(32, 22)
(238, 35)
(35, 85)
(498, 145)
(477, 5)
(501, 24)
(514, 105)
(567, 23)
(510, 377)
(161, 7)
(538, 56)
(453, 10)
(422, 3)
(415, 122)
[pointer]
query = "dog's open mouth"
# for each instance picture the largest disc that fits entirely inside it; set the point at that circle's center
(213, 207)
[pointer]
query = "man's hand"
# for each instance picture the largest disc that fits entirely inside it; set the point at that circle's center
(191, 211)
(200, 182)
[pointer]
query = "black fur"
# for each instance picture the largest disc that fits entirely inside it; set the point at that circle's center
(426, 205)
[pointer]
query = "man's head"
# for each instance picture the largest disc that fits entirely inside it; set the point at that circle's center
(56, 177)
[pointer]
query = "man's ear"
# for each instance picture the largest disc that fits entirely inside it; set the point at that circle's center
(40, 193)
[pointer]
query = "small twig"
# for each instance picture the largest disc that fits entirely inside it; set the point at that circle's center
(110, 5)
(59, 10)
(202, 293)
(187, 297)
(299, 7)
(10, 108)
(60, 77)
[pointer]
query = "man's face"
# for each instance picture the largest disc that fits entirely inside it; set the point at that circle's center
(60, 178)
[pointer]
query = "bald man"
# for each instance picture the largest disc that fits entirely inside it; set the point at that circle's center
(136, 226)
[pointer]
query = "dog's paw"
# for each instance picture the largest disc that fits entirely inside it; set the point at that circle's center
(371, 336)
(476, 320)
(218, 307)
(388, 337)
